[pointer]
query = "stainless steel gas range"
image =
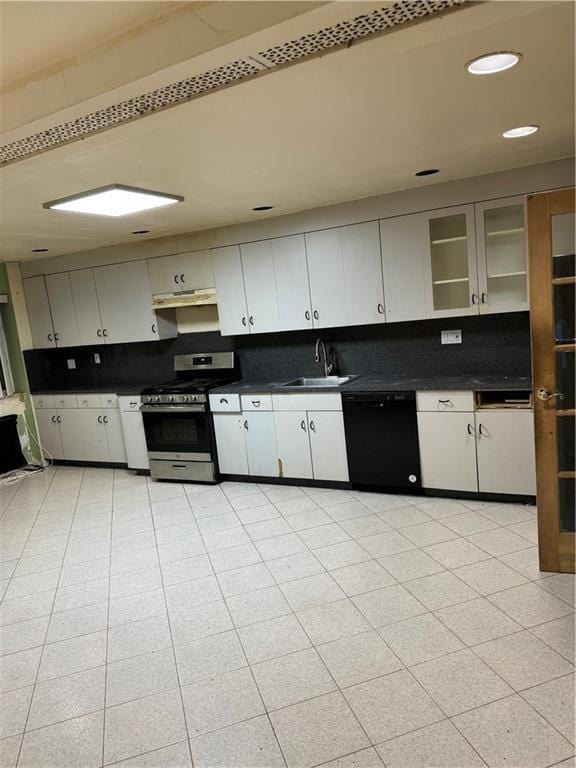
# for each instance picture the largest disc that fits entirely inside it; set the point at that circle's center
(177, 419)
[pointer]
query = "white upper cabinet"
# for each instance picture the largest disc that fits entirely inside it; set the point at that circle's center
(181, 272)
(63, 310)
(502, 255)
(451, 264)
(260, 286)
(362, 274)
(404, 255)
(125, 299)
(39, 313)
(87, 308)
(292, 289)
(229, 282)
(326, 276)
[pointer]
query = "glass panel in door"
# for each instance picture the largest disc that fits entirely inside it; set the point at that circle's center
(450, 270)
(564, 292)
(505, 253)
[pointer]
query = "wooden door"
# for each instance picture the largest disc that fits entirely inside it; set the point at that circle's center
(87, 308)
(293, 444)
(328, 445)
(552, 286)
(39, 314)
(363, 274)
(63, 310)
(326, 275)
(292, 289)
(229, 282)
(505, 447)
(260, 285)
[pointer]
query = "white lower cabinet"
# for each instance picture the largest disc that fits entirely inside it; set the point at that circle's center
(134, 435)
(506, 459)
(231, 443)
(114, 435)
(448, 451)
(293, 444)
(261, 444)
(49, 432)
(328, 445)
(83, 434)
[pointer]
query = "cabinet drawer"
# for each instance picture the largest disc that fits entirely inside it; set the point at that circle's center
(324, 401)
(256, 402)
(109, 400)
(43, 401)
(129, 403)
(225, 403)
(445, 401)
(65, 401)
(89, 401)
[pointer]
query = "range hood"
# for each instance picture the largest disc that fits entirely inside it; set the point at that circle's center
(201, 298)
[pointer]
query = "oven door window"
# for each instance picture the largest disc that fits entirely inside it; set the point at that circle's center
(177, 432)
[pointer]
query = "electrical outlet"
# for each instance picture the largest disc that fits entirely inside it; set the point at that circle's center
(71, 363)
(97, 358)
(451, 337)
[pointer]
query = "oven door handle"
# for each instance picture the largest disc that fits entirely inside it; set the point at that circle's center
(173, 409)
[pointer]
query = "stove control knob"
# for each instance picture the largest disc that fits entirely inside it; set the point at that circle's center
(194, 398)
(171, 399)
(156, 398)
(185, 398)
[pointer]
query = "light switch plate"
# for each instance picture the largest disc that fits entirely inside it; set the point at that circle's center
(97, 358)
(451, 337)
(71, 363)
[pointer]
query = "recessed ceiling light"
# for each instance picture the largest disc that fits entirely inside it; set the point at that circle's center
(493, 62)
(39, 250)
(113, 200)
(140, 231)
(427, 172)
(518, 133)
(263, 208)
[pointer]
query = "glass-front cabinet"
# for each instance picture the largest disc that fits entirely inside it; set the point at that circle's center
(453, 284)
(502, 255)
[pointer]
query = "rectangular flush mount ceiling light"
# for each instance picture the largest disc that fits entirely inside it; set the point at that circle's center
(113, 200)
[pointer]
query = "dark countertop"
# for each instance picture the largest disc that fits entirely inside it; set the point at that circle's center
(124, 389)
(382, 384)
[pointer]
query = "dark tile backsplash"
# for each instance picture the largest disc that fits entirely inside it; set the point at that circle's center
(491, 345)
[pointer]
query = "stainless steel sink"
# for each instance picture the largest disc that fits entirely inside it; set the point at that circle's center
(322, 382)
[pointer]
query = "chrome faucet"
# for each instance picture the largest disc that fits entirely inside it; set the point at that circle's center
(328, 357)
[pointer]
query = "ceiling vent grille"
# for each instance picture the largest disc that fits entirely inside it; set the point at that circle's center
(343, 33)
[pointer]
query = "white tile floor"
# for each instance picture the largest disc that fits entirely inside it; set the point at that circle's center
(246, 626)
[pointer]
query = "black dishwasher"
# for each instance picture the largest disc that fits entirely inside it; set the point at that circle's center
(382, 440)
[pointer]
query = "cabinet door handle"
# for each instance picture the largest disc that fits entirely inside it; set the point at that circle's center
(176, 279)
(482, 430)
(55, 337)
(475, 299)
(316, 315)
(256, 403)
(54, 420)
(133, 403)
(58, 419)
(312, 426)
(307, 315)
(245, 423)
(224, 400)
(153, 327)
(484, 298)
(470, 429)
(105, 419)
(244, 322)
(381, 309)
(99, 419)
(182, 278)
(99, 333)
(251, 320)
(445, 402)
(50, 337)
(303, 425)
(105, 332)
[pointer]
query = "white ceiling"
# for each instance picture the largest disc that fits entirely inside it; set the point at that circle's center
(347, 125)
